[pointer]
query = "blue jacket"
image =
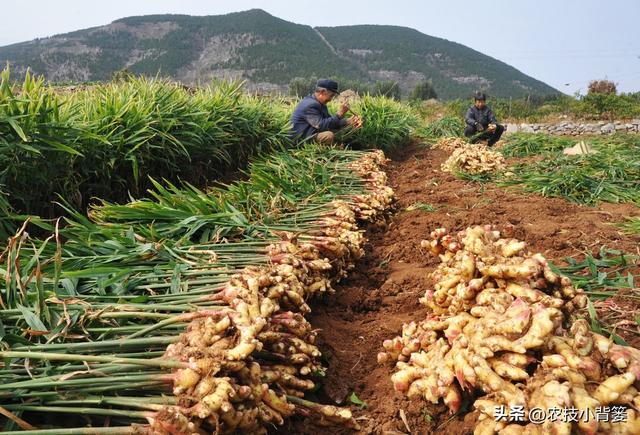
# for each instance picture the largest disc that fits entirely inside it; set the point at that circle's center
(483, 116)
(311, 116)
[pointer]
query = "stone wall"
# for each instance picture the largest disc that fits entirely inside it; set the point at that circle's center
(578, 128)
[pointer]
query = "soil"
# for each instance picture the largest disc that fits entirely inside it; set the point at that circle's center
(382, 292)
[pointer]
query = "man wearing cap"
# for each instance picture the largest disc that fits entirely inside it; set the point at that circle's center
(311, 119)
(481, 122)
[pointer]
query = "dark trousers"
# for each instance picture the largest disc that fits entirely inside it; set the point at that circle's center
(490, 137)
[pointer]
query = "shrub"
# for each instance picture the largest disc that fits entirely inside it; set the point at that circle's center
(423, 91)
(389, 89)
(608, 106)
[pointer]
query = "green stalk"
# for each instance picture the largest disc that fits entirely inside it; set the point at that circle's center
(145, 307)
(103, 345)
(38, 383)
(168, 364)
(129, 386)
(134, 314)
(123, 329)
(148, 403)
(122, 401)
(103, 369)
(82, 411)
(191, 282)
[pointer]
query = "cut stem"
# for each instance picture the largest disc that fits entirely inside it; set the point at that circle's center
(168, 364)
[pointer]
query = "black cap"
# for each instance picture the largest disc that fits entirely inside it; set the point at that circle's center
(480, 96)
(329, 85)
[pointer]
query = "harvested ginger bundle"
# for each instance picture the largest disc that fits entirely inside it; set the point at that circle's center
(474, 159)
(450, 144)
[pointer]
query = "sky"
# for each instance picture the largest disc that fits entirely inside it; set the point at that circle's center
(565, 43)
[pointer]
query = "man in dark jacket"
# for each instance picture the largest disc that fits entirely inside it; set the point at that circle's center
(311, 119)
(481, 122)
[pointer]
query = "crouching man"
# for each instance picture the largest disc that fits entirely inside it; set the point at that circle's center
(481, 122)
(311, 120)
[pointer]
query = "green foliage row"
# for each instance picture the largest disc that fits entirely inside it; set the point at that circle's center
(448, 126)
(612, 174)
(105, 141)
(274, 186)
(527, 144)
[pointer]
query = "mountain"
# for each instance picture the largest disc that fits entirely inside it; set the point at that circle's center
(267, 52)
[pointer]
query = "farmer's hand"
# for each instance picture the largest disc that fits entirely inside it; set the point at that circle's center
(355, 121)
(343, 110)
(479, 127)
(491, 128)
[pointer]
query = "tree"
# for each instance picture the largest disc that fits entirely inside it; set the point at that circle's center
(604, 86)
(300, 87)
(423, 91)
(122, 75)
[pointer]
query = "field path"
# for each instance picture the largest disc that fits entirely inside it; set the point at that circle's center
(382, 293)
(327, 43)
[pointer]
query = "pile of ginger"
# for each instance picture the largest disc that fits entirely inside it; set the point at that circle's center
(504, 330)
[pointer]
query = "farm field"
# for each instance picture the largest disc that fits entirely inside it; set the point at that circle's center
(383, 292)
(315, 287)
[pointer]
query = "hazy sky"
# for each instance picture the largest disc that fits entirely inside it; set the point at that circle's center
(564, 43)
